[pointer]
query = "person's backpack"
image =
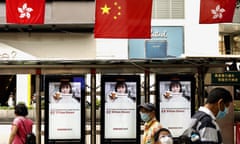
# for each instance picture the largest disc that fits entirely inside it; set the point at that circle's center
(30, 137)
(191, 135)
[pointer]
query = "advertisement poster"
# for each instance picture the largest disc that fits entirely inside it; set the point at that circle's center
(65, 94)
(166, 42)
(176, 98)
(120, 106)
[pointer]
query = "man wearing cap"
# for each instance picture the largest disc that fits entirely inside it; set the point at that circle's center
(147, 113)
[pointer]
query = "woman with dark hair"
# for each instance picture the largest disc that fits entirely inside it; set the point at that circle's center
(175, 93)
(121, 87)
(21, 125)
(163, 136)
(121, 93)
(65, 94)
(175, 86)
(65, 87)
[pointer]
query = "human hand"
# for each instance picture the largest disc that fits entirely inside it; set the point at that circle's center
(113, 96)
(57, 96)
(167, 95)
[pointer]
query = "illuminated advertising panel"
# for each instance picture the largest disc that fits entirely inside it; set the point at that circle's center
(65, 95)
(175, 94)
(121, 96)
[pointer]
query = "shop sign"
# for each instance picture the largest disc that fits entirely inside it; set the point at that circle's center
(166, 43)
(226, 78)
(7, 55)
(10, 53)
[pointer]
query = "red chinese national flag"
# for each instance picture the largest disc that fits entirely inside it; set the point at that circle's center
(25, 11)
(216, 11)
(123, 19)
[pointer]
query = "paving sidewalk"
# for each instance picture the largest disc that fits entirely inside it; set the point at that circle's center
(6, 128)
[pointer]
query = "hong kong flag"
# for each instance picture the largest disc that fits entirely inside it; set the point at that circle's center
(216, 11)
(25, 11)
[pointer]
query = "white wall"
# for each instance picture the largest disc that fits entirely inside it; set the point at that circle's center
(52, 46)
(199, 39)
(111, 49)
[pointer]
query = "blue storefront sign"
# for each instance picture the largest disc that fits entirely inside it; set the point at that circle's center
(165, 42)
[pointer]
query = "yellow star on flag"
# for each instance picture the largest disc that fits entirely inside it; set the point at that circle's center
(105, 9)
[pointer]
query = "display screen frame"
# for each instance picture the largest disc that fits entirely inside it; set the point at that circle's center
(175, 113)
(73, 109)
(110, 111)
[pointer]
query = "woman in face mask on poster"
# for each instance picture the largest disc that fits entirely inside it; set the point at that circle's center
(151, 125)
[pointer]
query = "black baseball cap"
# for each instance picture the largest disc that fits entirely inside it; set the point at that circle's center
(147, 106)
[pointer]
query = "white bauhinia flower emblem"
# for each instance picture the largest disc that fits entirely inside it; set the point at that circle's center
(25, 11)
(217, 12)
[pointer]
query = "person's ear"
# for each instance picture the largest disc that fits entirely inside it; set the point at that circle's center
(221, 105)
(152, 114)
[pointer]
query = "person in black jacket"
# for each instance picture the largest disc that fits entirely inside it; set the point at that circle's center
(216, 107)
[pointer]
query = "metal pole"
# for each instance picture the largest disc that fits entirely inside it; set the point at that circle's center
(38, 106)
(201, 94)
(93, 106)
(146, 86)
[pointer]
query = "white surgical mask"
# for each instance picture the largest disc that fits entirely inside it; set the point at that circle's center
(166, 140)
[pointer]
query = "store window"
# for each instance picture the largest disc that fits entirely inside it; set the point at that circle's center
(229, 44)
(236, 45)
(168, 9)
(7, 90)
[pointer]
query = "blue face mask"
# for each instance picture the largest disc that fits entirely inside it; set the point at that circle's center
(145, 117)
(222, 114)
